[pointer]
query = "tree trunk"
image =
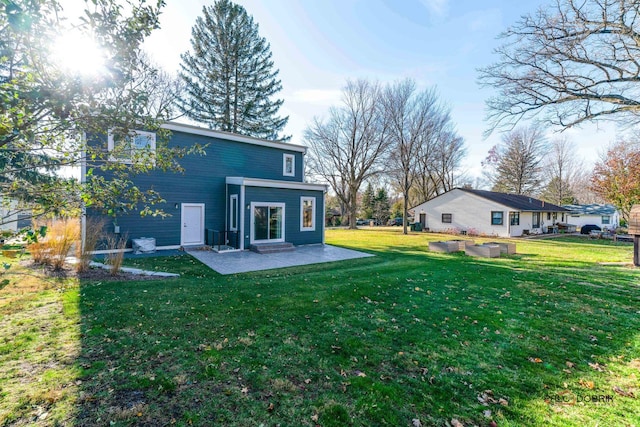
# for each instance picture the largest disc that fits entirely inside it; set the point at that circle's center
(636, 250)
(353, 209)
(405, 211)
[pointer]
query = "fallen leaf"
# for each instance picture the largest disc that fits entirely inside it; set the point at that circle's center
(622, 392)
(307, 381)
(570, 364)
(314, 418)
(486, 397)
(244, 390)
(598, 367)
(503, 402)
(486, 413)
(270, 407)
(416, 422)
(360, 374)
(535, 360)
(456, 423)
(586, 384)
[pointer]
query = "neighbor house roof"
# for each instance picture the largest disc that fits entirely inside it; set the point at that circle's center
(517, 201)
(593, 209)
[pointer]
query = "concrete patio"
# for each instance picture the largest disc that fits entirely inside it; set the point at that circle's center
(245, 261)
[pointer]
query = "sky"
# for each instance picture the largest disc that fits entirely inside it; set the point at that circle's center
(318, 44)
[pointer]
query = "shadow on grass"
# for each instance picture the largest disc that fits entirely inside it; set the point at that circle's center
(404, 335)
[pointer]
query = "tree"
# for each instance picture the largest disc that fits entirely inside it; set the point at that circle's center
(368, 201)
(229, 75)
(381, 206)
(348, 147)
(515, 165)
(440, 160)
(616, 177)
(46, 109)
(414, 119)
(561, 170)
(572, 62)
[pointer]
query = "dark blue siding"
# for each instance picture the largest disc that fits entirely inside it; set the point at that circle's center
(204, 181)
(291, 199)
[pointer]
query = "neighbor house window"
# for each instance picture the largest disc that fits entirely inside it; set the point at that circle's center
(514, 218)
(289, 165)
(446, 218)
(233, 212)
(307, 213)
(548, 216)
(536, 220)
(606, 219)
(497, 218)
(136, 146)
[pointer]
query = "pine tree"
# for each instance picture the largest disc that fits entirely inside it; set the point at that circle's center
(368, 202)
(381, 206)
(229, 75)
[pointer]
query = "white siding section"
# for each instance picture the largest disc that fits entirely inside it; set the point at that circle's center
(580, 220)
(468, 212)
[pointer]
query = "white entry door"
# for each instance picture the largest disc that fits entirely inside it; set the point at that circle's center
(192, 224)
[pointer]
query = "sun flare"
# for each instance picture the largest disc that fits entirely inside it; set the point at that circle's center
(78, 53)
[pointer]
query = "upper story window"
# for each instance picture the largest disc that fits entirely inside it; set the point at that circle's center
(497, 218)
(289, 165)
(138, 145)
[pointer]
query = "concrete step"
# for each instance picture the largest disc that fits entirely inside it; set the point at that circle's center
(272, 248)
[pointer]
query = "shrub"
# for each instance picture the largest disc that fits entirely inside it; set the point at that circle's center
(93, 233)
(116, 244)
(52, 243)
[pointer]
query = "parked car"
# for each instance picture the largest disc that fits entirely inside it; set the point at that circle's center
(588, 228)
(361, 221)
(395, 222)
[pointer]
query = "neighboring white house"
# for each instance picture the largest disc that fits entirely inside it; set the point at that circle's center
(11, 217)
(489, 213)
(604, 216)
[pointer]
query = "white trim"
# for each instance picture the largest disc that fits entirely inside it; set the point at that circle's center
(272, 183)
(192, 205)
(196, 130)
(241, 207)
(285, 157)
(233, 198)
(251, 225)
(313, 213)
(152, 145)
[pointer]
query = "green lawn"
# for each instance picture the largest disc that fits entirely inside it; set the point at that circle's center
(531, 339)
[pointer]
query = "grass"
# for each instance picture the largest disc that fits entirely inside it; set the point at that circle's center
(527, 339)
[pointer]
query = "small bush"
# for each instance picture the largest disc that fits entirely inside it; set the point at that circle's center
(93, 233)
(116, 244)
(53, 245)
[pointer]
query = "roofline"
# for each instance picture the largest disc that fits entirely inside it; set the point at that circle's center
(197, 130)
(498, 203)
(273, 183)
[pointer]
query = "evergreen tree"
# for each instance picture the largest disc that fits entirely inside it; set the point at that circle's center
(368, 202)
(229, 75)
(381, 206)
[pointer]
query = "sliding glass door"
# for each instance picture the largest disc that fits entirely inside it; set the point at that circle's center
(267, 222)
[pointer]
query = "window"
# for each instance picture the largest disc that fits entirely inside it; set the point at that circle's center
(606, 219)
(233, 212)
(548, 216)
(307, 214)
(536, 220)
(138, 145)
(446, 218)
(497, 218)
(289, 165)
(514, 218)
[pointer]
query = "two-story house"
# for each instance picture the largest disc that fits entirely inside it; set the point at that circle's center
(244, 190)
